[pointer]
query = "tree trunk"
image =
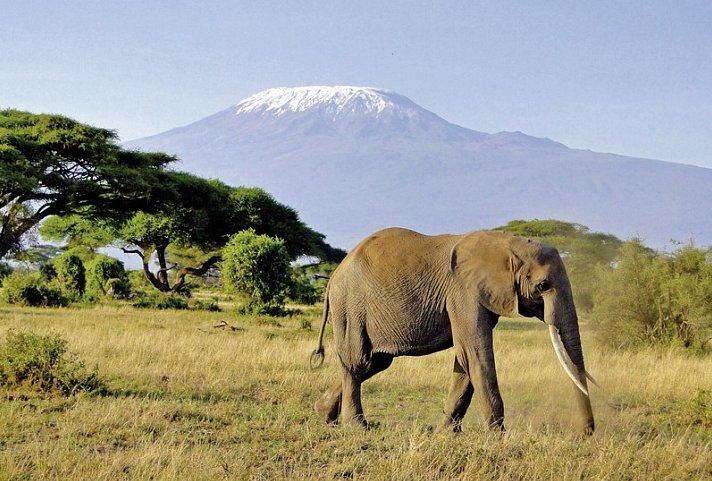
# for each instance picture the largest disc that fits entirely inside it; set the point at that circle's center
(160, 279)
(145, 259)
(162, 273)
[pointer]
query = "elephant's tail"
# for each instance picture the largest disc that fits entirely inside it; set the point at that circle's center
(317, 357)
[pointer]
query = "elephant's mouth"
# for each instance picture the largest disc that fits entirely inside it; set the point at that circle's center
(530, 308)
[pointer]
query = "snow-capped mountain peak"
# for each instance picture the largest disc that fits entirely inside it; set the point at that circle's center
(352, 160)
(342, 111)
(336, 99)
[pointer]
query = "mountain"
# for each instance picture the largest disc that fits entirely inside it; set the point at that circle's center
(352, 160)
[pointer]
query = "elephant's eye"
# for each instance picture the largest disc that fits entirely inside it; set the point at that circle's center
(542, 285)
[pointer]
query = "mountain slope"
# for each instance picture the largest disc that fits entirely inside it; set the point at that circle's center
(352, 160)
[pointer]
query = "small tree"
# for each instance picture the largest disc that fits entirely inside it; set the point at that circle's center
(257, 265)
(71, 275)
(106, 277)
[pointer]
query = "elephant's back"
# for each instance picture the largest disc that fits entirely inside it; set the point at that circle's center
(393, 254)
(398, 248)
(386, 238)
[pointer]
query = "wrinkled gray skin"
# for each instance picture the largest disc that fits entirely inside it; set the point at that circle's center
(400, 293)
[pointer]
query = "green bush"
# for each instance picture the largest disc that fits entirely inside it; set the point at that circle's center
(31, 289)
(650, 298)
(159, 300)
(5, 270)
(71, 275)
(309, 282)
(302, 290)
(106, 277)
(258, 266)
(42, 363)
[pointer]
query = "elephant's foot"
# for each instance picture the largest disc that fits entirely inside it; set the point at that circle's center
(355, 420)
(497, 426)
(450, 425)
(328, 407)
(588, 428)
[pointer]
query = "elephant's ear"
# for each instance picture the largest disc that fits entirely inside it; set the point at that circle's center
(486, 266)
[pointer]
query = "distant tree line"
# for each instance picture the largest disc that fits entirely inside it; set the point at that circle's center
(633, 295)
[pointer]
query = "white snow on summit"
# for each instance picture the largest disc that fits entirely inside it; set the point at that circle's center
(338, 99)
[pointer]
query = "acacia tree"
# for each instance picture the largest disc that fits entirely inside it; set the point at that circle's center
(146, 235)
(192, 214)
(253, 208)
(154, 234)
(53, 165)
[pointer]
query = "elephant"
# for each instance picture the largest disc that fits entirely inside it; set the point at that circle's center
(402, 293)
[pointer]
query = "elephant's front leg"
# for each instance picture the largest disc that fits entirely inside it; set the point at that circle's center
(484, 377)
(458, 400)
(475, 353)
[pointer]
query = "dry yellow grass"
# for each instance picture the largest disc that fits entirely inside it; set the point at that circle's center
(190, 401)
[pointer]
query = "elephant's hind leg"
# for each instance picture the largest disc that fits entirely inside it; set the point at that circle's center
(351, 408)
(461, 391)
(329, 404)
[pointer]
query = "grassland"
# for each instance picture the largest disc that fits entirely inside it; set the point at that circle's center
(191, 401)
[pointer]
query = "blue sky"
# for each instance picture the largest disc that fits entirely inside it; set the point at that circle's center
(630, 77)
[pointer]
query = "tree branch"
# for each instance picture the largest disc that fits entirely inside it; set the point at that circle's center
(132, 251)
(167, 268)
(194, 271)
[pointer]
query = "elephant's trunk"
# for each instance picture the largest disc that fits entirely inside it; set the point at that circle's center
(560, 316)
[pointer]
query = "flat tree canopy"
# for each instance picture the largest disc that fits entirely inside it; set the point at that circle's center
(53, 165)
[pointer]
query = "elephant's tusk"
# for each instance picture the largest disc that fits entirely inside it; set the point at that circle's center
(590, 378)
(564, 358)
